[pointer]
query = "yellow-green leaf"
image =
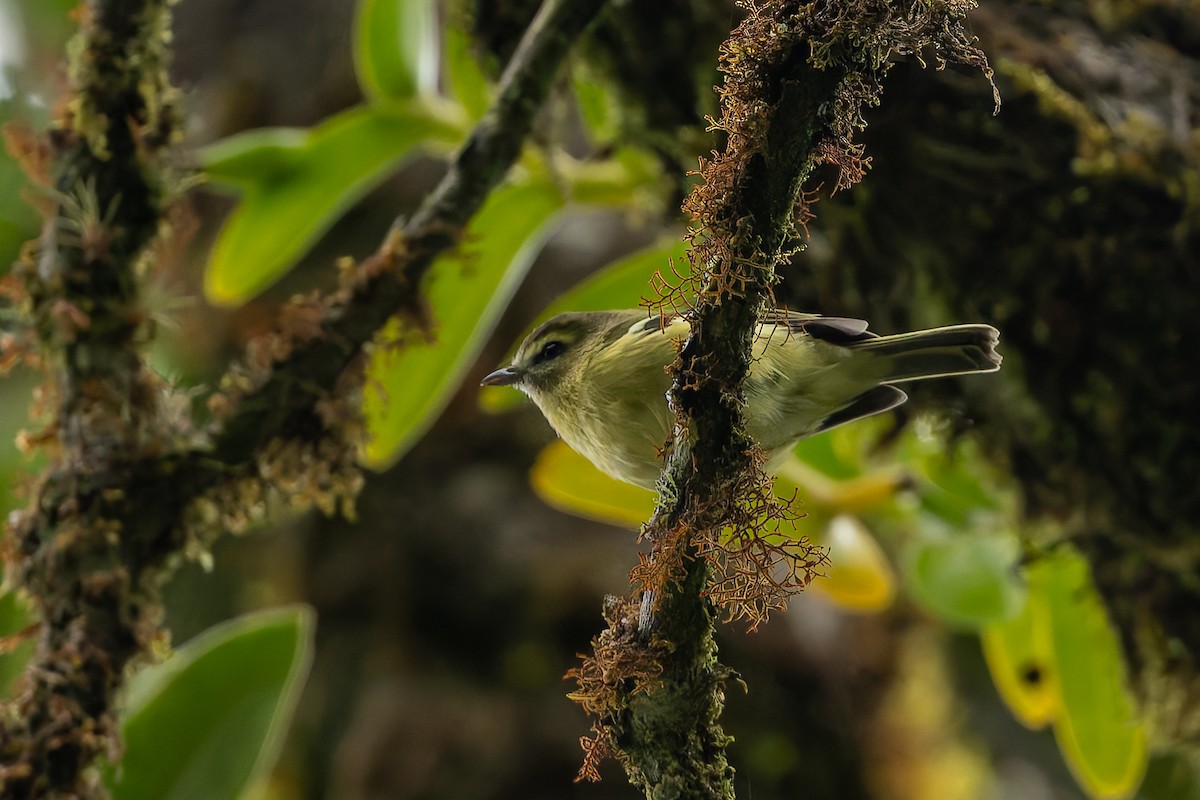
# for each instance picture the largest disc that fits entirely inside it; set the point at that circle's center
(205, 723)
(467, 82)
(569, 482)
(855, 495)
(255, 157)
(409, 385)
(1020, 657)
(395, 48)
(625, 283)
(859, 576)
(1098, 730)
(964, 578)
(296, 184)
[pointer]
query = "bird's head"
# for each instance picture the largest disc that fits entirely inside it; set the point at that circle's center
(558, 350)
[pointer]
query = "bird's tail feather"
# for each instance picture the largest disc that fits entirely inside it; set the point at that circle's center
(953, 350)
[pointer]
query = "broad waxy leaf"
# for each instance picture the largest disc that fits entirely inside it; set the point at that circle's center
(203, 724)
(823, 453)
(965, 578)
(569, 482)
(468, 84)
(1020, 655)
(859, 576)
(857, 494)
(622, 284)
(395, 48)
(1059, 661)
(408, 386)
(1097, 730)
(296, 184)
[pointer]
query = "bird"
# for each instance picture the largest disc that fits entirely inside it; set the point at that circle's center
(600, 378)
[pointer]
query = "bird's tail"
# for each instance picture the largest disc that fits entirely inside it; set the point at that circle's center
(953, 350)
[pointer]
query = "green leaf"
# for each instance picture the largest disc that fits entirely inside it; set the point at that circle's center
(964, 578)
(468, 83)
(1098, 731)
(823, 453)
(1020, 656)
(205, 723)
(255, 157)
(565, 480)
(395, 48)
(630, 178)
(859, 576)
(408, 386)
(296, 184)
(625, 283)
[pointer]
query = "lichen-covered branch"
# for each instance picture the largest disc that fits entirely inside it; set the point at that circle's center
(118, 504)
(281, 397)
(798, 76)
(80, 550)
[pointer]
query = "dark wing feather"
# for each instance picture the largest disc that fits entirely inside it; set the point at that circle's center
(653, 324)
(873, 401)
(835, 330)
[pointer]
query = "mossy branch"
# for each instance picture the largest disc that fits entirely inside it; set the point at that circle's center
(119, 503)
(797, 78)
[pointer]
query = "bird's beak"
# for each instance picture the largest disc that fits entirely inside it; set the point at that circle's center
(502, 377)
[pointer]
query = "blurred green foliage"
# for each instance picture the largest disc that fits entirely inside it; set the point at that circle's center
(295, 184)
(409, 382)
(206, 722)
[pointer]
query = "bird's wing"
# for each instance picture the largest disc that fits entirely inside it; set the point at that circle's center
(835, 330)
(672, 325)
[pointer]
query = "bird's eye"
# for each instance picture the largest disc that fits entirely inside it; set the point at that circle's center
(551, 349)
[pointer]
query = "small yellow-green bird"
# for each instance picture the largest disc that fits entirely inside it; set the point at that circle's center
(600, 379)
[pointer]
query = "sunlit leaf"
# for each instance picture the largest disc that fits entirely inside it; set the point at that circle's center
(854, 495)
(1020, 657)
(821, 453)
(395, 48)
(257, 156)
(468, 84)
(296, 184)
(567, 481)
(627, 179)
(964, 578)
(409, 385)
(859, 576)
(205, 723)
(625, 283)
(1098, 731)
